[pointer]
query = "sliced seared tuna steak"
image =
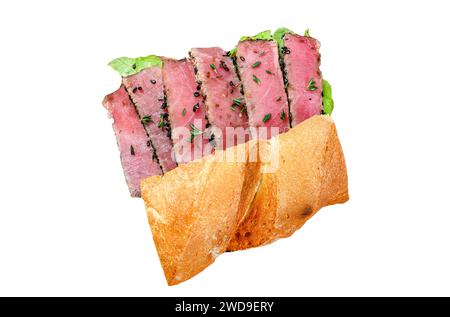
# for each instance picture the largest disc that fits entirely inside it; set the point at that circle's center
(147, 92)
(301, 66)
(186, 110)
(137, 156)
(220, 87)
(262, 79)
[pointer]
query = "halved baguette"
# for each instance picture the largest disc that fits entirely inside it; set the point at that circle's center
(200, 209)
(311, 174)
(195, 209)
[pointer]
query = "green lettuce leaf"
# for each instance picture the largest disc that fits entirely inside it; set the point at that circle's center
(279, 34)
(264, 35)
(127, 66)
(327, 100)
(232, 53)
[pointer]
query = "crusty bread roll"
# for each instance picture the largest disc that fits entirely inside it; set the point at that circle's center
(311, 174)
(194, 210)
(205, 207)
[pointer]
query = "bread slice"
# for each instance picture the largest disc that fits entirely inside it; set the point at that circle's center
(195, 209)
(311, 174)
(267, 190)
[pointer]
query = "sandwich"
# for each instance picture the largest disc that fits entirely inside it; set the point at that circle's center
(228, 149)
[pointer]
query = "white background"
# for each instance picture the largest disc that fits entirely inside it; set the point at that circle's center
(68, 226)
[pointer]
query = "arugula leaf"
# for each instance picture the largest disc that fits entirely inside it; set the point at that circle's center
(327, 100)
(127, 66)
(278, 36)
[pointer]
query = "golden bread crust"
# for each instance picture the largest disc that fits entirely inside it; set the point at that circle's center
(203, 208)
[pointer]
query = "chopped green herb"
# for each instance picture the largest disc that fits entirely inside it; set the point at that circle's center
(266, 117)
(233, 108)
(311, 85)
(282, 115)
(196, 106)
(268, 72)
(307, 33)
(132, 150)
(237, 101)
(147, 119)
(256, 64)
(194, 131)
(213, 67)
(183, 113)
(162, 123)
(256, 79)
